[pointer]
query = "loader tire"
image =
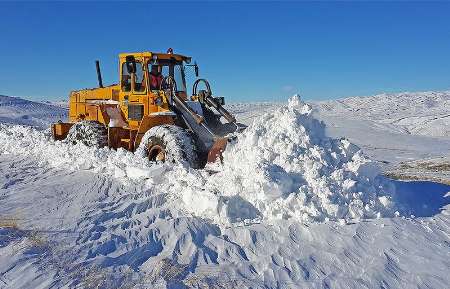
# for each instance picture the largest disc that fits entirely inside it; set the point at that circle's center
(171, 144)
(89, 133)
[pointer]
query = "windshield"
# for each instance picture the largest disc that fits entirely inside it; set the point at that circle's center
(167, 67)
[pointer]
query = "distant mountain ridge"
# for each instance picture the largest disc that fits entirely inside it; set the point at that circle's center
(391, 105)
(17, 110)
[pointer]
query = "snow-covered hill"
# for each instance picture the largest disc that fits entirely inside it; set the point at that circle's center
(419, 113)
(20, 111)
(290, 208)
(58, 103)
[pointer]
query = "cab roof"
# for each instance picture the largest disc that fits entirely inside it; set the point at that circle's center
(149, 54)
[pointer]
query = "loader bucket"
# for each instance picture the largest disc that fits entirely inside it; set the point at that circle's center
(217, 149)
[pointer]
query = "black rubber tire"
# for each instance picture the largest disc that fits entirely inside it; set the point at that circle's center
(89, 133)
(178, 144)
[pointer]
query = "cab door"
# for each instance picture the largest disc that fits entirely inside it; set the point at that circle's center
(133, 90)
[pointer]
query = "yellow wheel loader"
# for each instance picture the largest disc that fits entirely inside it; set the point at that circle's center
(150, 111)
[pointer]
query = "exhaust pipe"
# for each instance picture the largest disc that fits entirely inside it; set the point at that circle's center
(99, 74)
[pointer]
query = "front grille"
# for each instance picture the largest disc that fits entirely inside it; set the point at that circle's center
(135, 111)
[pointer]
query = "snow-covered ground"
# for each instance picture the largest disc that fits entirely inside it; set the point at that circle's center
(290, 208)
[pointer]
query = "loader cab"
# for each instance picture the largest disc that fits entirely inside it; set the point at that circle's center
(136, 71)
(139, 94)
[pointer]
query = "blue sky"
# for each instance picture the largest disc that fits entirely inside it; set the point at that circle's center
(249, 51)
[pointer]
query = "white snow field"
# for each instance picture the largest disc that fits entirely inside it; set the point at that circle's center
(291, 207)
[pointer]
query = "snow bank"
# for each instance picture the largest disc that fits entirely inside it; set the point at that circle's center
(283, 166)
(29, 142)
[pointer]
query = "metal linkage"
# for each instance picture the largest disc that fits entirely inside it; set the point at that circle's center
(205, 96)
(181, 104)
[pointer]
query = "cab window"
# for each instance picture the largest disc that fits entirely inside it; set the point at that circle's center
(125, 78)
(174, 69)
(178, 74)
(139, 81)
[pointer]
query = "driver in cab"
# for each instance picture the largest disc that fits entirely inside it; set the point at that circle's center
(155, 78)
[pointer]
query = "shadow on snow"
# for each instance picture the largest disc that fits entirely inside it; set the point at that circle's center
(422, 198)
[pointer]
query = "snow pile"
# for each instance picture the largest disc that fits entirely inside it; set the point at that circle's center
(29, 142)
(284, 167)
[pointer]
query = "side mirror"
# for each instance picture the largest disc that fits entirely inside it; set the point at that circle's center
(131, 64)
(196, 69)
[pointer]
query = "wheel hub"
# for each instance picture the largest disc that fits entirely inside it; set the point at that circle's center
(157, 153)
